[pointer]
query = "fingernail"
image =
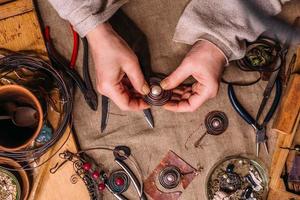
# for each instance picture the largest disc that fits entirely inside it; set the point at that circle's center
(145, 89)
(164, 84)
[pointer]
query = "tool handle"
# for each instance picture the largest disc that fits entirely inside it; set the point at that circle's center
(238, 107)
(276, 100)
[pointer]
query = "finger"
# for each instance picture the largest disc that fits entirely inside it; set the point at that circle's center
(186, 95)
(136, 77)
(123, 99)
(176, 78)
(200, 95)
(175, 97)
(182, 90)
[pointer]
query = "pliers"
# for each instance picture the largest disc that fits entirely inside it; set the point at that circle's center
(85, 85)
(260, 129)
(137, 40)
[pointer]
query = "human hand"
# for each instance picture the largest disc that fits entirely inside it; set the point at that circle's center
(114, 60)
(205, 63)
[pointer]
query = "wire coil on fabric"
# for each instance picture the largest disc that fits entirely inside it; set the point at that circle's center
(33, 63)
(261, 57)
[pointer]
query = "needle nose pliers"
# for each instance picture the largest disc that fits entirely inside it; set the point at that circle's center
(260, 129)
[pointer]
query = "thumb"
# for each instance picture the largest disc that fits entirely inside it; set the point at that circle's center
(176, 77)
(136, 77)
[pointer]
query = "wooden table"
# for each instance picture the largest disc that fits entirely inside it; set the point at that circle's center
(20, 30)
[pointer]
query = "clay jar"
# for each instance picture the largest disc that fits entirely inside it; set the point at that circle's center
(12, 137)
(19, 173)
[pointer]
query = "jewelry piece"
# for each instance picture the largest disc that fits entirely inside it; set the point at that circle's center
(170, 177)
(157, 95)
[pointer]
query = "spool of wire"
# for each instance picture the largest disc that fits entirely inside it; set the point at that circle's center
(33, 63)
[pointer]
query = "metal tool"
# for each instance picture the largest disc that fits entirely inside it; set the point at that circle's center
(85, 84)
(260, 129)
(136, 39)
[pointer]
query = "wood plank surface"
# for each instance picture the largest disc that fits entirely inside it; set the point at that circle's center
(20, 30)
(289, 107)
(10, 8)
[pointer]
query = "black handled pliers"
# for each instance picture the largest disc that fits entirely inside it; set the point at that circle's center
(85, 85)
(260, 129)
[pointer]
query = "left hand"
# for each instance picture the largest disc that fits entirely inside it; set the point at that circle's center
(205, 62)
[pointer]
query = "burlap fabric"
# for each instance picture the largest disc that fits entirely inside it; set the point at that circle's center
(173, 131)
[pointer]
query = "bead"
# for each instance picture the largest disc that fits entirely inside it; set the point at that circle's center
(230, 168)
(45, 135)
(156, 90)
(95, 174)
(101, 186)
(157, 96)
(87, 166)
(119, 181)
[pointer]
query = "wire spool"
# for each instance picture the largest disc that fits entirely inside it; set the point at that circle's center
(119, 181)
(216, 122)
(9, 64)
(260, 55)
(170, 177)
(157, 95)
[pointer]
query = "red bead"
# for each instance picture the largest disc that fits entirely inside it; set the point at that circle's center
(95, 174)
(87, 166)
(119, 181)
(101, 186)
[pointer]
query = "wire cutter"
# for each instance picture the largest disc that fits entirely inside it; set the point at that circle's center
(137, 40)
(260, 129)
(85, 85)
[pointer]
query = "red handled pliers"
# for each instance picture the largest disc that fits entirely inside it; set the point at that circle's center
(85, 85)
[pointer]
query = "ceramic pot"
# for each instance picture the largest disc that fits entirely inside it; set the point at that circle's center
(20, 174)
(12, 137)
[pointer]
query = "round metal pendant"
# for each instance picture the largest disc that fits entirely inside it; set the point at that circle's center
(170, 177)
(119, 181)
(157, 96)
(216, 122)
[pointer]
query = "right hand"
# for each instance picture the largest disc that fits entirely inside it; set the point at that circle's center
(113, 58)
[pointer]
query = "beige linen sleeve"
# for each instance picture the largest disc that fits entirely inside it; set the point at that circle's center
(226, 23)
(85, 15)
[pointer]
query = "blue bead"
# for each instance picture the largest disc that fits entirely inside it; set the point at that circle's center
(45, 135)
